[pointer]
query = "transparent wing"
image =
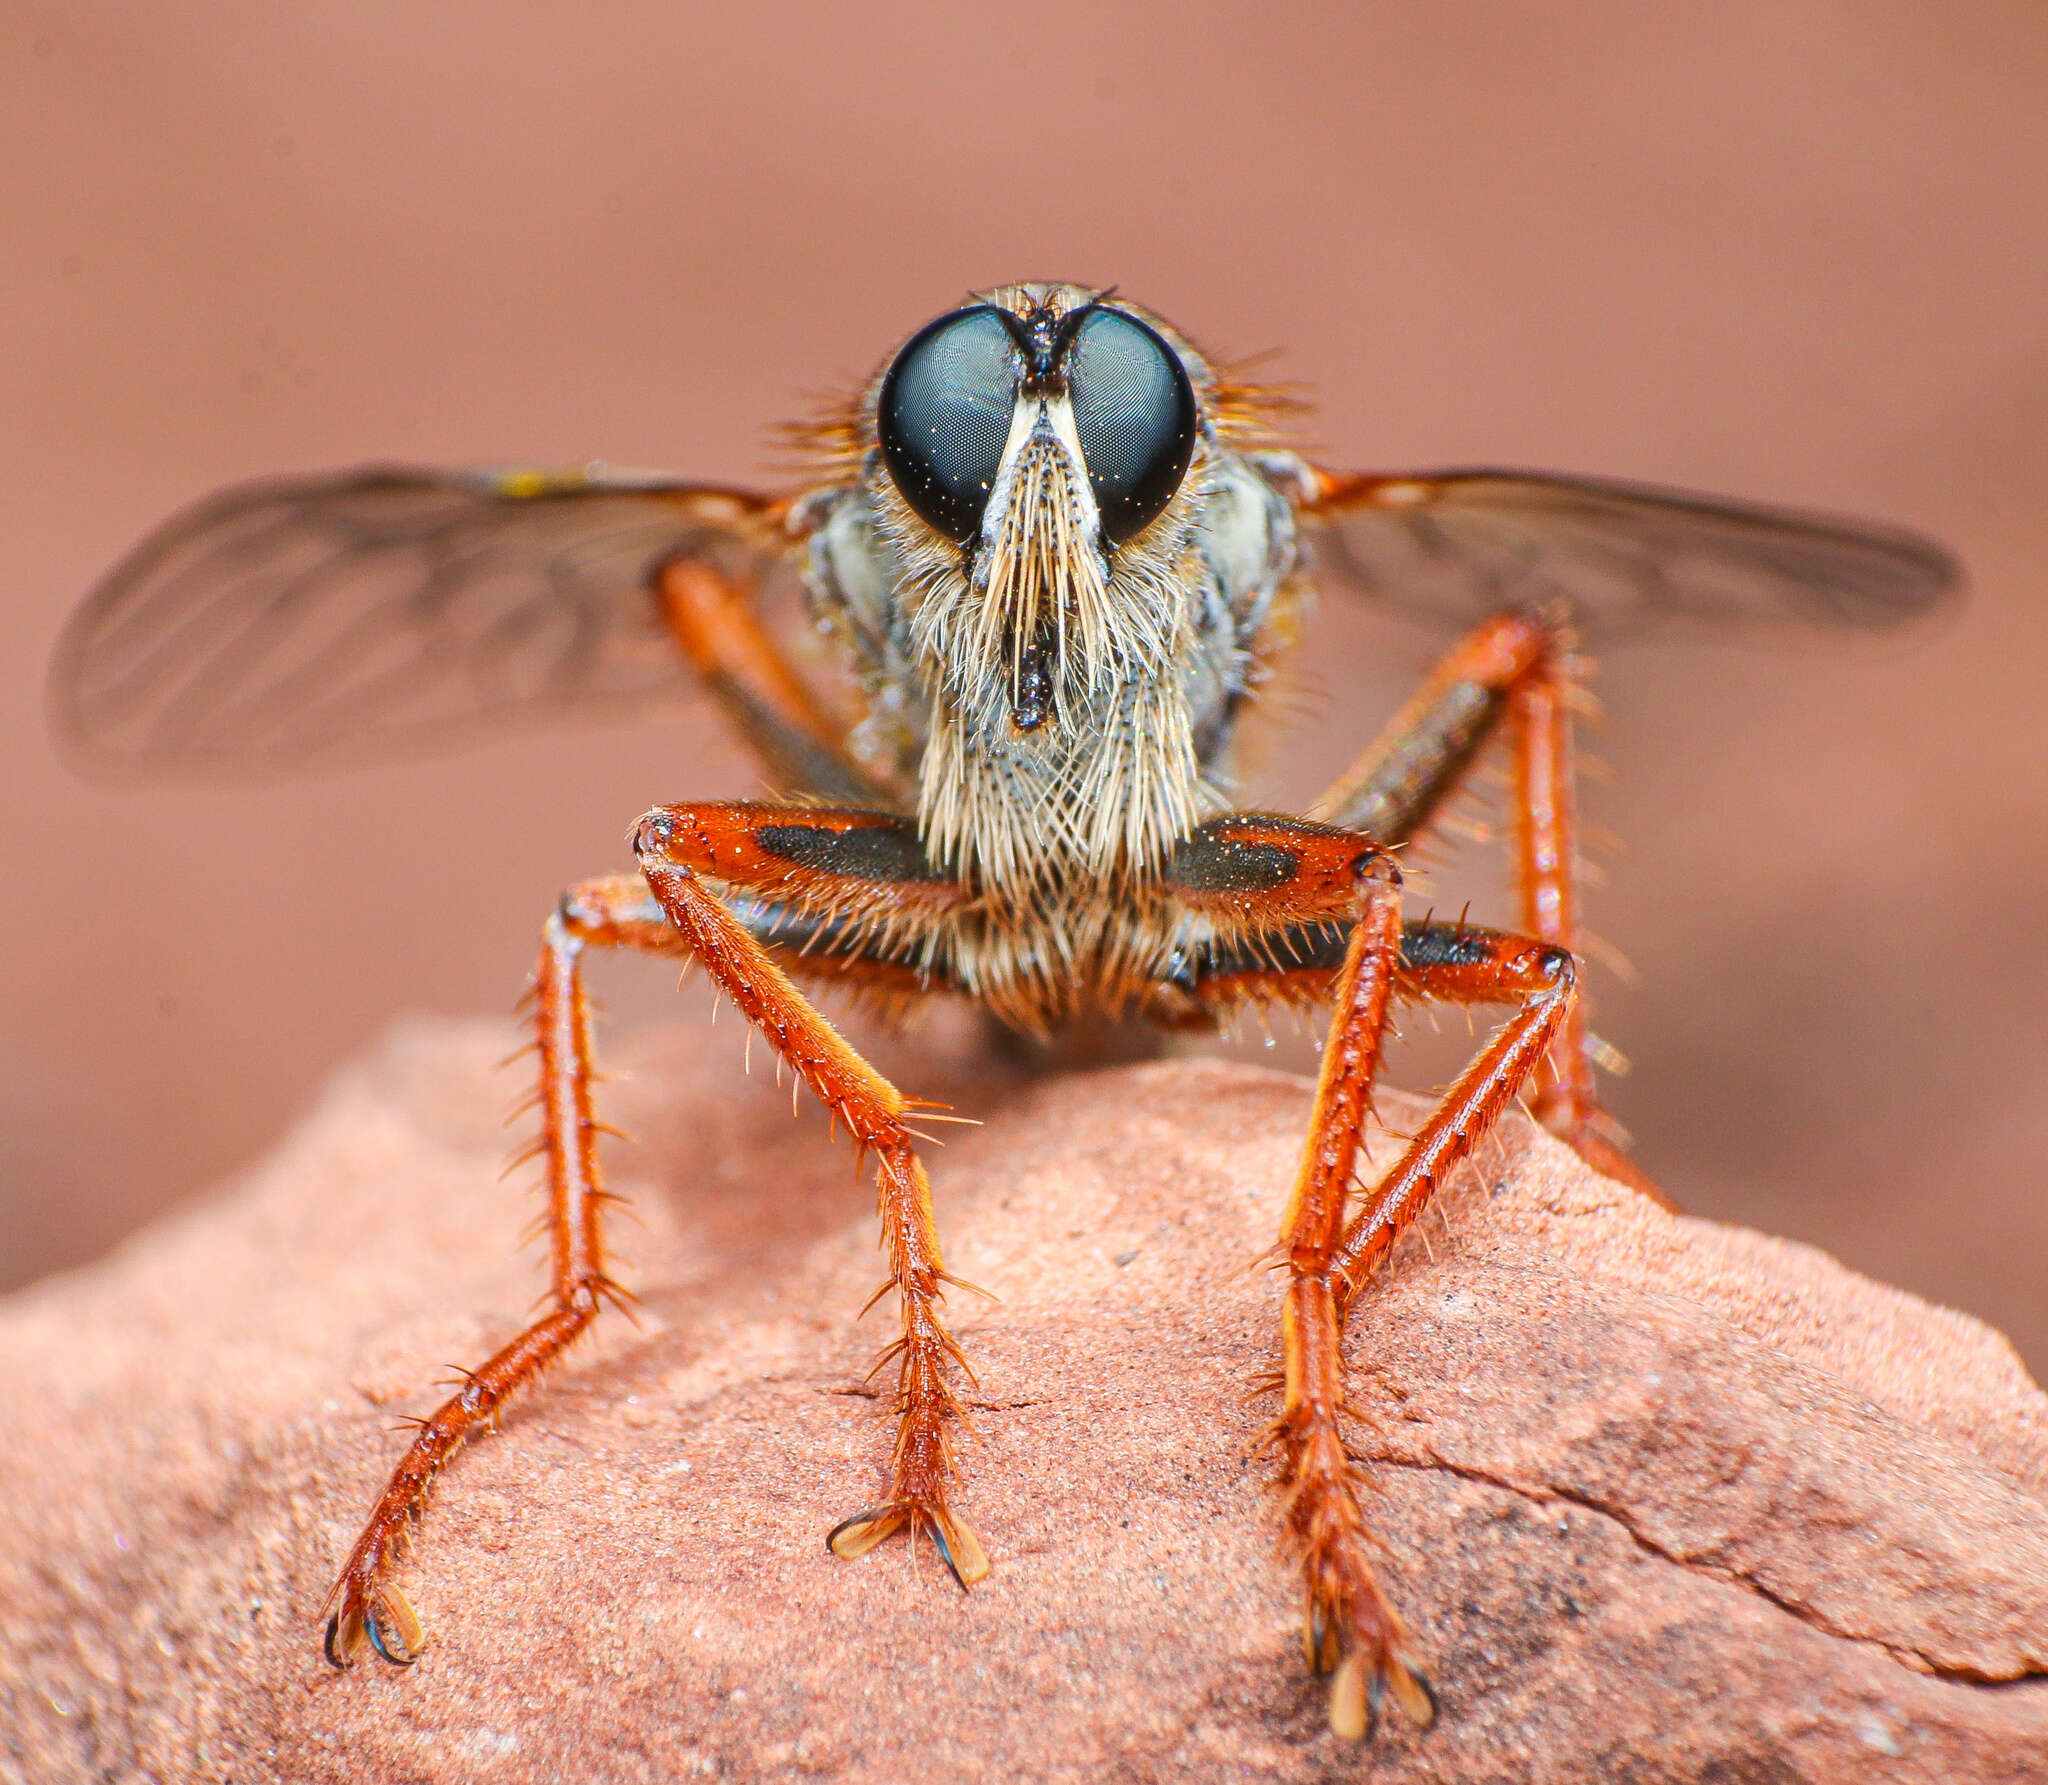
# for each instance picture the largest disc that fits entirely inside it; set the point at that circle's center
(337, 617)
(1629, 559)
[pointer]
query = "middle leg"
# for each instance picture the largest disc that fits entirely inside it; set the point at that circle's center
(369, 1608)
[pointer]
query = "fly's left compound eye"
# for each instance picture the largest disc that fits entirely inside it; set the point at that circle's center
(945, 415)
(1135, 413)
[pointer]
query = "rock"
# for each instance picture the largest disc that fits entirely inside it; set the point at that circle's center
(1662, 1500)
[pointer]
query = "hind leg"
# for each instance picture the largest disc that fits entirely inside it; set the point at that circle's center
(1512, 673)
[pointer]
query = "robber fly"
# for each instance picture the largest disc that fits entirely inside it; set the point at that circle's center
(1056, 548)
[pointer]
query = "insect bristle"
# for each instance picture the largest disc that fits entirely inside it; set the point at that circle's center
(827, 446)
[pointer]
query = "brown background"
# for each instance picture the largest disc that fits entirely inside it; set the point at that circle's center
(1785, 250)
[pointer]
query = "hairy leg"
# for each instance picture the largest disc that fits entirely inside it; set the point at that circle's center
(1349, 1629)
(811, 861)
(1566, 1099)
(838, 863)
(713, 620)
(615, 913)
(1275, 889)
(1512, 671)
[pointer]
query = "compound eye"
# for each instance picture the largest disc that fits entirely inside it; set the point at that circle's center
(945, 415)
(1135, 413)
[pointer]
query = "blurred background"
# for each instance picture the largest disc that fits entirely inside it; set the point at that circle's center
(1791, 250)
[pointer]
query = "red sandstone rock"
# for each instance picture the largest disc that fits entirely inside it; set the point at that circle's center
(1662, 1500)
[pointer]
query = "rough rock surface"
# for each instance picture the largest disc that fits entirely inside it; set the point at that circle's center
(1662, 1500)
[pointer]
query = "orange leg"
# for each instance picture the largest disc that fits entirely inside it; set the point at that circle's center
(367, 1606)
(1513, 670)
(809, 861)
(874, 862)
(1454, 964)
(1348, 1627)
(713, 620)
(1276, 885)
(1566, 1100)
(1257, 879)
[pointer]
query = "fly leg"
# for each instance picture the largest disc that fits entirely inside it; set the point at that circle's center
(1350, 1627)
(713, 620)
(870, 868)
(1512, 671)
(1566, 1099)
(789, 853)
(367, 1606)
(1274, 890)
(1262, 878)
(1461, 964)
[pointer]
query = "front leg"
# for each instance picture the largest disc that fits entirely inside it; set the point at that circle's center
(1261, 882)
(1280, 889)
(1350, 1626)
(866, 866)
(863, 868)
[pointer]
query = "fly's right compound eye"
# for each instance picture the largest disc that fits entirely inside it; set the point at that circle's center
(1135, 412)
(945, 416)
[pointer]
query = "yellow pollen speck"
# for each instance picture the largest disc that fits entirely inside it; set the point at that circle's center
(1402, 495)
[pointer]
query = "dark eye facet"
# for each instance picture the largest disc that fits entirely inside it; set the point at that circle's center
(1135, 412)
(945, 415)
